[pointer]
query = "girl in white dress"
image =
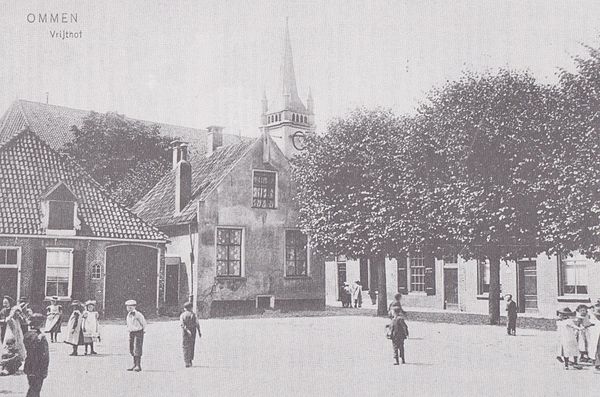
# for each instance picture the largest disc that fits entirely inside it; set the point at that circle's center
(90, 326)
(53, 319)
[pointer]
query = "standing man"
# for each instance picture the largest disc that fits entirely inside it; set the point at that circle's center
(511, 314)
(38, 357)
(190, 326)
(136, 325)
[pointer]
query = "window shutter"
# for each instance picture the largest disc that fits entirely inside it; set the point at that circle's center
(429, 274)
(559, 275)
(402, 274)
(78, 289)
(38, 279)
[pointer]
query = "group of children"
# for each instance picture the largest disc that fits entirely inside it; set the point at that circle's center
(579, 334)
(351, 294)
(83, 328)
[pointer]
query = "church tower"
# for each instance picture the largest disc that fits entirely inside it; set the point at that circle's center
(286, 118)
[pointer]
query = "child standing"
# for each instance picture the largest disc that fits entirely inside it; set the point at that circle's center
(511, 315)
(567, 333)
(11, 358)
(583, 337)
(38, 358)
(398, 333)
(190, 327)
(90, 326)
(136, 325)
(53, 319)
(74, 332)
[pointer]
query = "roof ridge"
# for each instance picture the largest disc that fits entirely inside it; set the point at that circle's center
(27, 122)
(70, 162)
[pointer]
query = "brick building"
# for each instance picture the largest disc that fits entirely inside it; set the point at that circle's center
(61, 234)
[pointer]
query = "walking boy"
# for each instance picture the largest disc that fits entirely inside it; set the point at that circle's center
(511, 314)
(38, 358)
(136, 325)
(398, 332)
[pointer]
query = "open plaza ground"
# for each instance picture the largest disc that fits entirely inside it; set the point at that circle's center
(335, 355)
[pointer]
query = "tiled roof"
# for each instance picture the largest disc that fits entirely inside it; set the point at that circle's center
(29, 168)
(53, 124)
(158, 205)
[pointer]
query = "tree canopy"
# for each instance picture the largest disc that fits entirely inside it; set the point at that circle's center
(127, 157)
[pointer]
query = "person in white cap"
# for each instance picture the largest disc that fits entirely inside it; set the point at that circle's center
(90, 326)
(136, 325)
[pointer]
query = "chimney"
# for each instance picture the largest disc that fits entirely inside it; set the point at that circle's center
(214, 139)
(183, 179)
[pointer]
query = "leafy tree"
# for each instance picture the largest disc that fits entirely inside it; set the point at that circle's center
(483, 153)
(127, 157)
(351, 190)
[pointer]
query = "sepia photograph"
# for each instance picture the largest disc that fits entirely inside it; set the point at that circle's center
(299, 198)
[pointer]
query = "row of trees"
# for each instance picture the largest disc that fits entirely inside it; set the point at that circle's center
(492, 166)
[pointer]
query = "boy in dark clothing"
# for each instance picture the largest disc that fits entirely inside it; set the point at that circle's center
(511, 314)
(38, 358)
(398, 332)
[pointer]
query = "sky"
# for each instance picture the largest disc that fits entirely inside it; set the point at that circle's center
(199, 63)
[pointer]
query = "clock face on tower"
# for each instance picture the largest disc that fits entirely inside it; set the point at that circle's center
(298, 140)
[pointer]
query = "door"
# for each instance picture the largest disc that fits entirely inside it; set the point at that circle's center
(172, 281)
(9, 272)
(130, 274)
(341, 278)
(451, 289)
(527, 286)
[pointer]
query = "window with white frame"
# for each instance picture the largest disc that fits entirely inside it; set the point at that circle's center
(264, 185)
(574, 275)
(416, 265)
(59, 265)
(483, 277)
(296, 249)
(229, 251)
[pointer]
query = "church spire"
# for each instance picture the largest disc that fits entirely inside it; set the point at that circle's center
(289, 90)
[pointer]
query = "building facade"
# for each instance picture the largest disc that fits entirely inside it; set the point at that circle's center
(539, 285)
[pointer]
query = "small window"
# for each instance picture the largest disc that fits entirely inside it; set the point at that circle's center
(96, 271)
(450, 259)
(9, 257)
(296, 249)
(58, 272)
(263, 189)
(229, 252)
(61, 215)
(417, 273)
(574, 276)
(483, 276)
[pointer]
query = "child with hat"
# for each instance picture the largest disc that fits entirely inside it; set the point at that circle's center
(53, 319)
(38, 357)
(567, 329)
(74, 331)
(136, 325)
(582, 319)
(90, 326)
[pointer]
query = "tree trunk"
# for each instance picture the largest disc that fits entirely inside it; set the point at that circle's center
(381, 288)
(494, 295)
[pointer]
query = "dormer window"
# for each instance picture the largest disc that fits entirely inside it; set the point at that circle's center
(59, 211)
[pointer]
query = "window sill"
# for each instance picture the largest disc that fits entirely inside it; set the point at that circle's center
(60, 298)
(263, 208)
(417, 293)
(227, 278)
(297, 277)
(574, 298)
(482, 297)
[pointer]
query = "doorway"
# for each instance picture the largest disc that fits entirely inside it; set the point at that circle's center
(173, 266)
(341, 278)
(451, 288)
(527, 299)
